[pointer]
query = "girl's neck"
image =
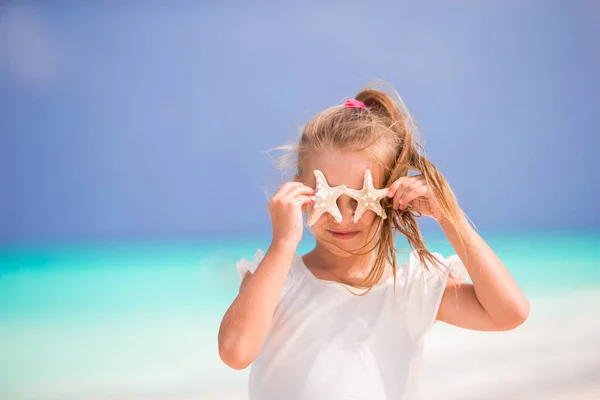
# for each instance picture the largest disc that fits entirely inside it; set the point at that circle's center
(347, 267)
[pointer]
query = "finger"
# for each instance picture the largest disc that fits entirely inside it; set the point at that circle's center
(285, 189)
(299, 196)
(411, 195)
(393, 189)
(300, 201)
(405, 184)
(303, 201)
(403, 190)
(300, 190)
(400, 197)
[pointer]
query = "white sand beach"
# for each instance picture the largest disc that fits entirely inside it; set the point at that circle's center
(555, 354)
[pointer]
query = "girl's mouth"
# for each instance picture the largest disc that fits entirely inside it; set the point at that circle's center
(344, 235)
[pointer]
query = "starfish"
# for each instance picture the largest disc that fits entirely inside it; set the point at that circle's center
(326, 199)
(368, 198)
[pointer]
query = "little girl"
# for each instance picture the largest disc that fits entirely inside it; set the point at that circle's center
(345, 321)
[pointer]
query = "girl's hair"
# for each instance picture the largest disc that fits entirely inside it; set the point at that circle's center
(385, 129)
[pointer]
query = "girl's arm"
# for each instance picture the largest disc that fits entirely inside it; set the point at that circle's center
(248, 319)
(493, 302)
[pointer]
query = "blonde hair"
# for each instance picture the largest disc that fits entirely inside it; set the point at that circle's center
(385, 129)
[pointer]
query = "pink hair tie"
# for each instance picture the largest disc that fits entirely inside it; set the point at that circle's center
(353, 103)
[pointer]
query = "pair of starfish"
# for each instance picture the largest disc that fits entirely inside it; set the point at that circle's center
(325, 198)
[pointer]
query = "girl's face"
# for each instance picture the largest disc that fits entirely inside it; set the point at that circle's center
(343, 168)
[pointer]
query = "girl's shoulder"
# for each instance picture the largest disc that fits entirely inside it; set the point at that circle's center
(425, 285)
(244, 265)
(415, 272)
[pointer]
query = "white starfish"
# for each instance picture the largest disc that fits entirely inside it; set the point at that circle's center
(326, 199)
(368, 198)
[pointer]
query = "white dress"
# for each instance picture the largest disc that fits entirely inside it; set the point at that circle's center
(326, 343)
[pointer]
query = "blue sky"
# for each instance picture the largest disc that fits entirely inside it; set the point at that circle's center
(151, 119)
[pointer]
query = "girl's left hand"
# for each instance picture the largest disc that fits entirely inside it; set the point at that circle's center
(414, 190)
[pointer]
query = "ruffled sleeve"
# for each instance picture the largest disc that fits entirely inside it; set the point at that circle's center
(426, 286)
(244, 265)
(455, 266)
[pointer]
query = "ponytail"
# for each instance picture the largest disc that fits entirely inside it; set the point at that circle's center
(409, 155)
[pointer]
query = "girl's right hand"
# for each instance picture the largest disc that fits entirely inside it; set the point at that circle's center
(285, 208)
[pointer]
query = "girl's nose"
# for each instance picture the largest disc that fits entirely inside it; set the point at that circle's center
(347, 206)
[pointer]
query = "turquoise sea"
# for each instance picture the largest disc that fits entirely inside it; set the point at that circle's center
(135, 320)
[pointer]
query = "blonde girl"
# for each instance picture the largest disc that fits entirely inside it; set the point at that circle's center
(345, 320)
